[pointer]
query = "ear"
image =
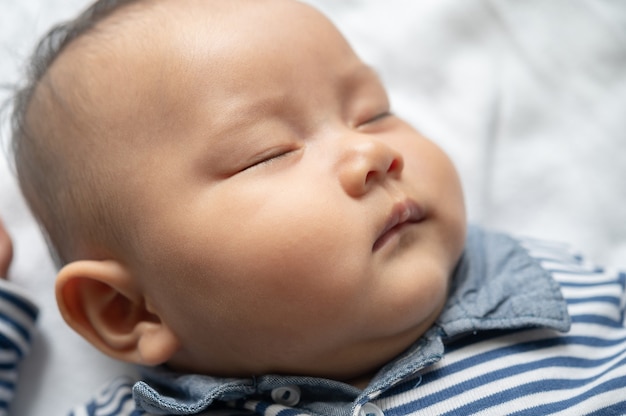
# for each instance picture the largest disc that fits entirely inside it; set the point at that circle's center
(102, 302)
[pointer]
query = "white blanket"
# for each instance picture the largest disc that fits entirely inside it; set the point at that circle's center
(528, 97)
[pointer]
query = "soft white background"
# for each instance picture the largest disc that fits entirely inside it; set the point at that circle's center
(528, 97)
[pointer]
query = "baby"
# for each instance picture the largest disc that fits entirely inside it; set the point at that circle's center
(234, 207)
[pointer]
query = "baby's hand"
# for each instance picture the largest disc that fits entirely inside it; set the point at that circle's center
(6, 251)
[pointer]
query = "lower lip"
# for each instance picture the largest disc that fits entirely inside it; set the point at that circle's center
(392, 234)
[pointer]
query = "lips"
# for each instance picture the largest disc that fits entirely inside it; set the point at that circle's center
(402, 214)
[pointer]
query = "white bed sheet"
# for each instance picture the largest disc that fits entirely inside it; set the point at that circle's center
(528, 98)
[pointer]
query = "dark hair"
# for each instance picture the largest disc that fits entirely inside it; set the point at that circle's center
(34, 174)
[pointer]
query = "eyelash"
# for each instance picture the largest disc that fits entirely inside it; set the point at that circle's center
(268, 159)
(380, 116)
(376, 118)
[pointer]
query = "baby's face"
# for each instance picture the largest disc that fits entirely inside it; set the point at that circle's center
(287, 222)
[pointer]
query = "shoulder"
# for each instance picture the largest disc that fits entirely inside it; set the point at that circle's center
(595, 295)
(577, 275)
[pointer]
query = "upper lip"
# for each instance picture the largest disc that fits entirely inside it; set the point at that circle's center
(406, 211)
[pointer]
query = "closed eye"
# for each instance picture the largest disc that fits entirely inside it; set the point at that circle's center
(379, 117)
(375, 119)
(268, 158)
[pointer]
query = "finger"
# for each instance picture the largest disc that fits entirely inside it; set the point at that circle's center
(6, 251)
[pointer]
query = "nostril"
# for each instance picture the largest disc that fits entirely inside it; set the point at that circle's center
(371, 175)
(393, 166)
(396, 165)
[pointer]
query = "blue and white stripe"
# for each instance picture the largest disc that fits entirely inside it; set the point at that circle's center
(114, 399)
(17, 324)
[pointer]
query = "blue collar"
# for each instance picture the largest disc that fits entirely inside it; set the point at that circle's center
(497, 285)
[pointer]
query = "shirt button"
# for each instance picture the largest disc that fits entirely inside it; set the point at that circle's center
(287, 395)
(370, 409)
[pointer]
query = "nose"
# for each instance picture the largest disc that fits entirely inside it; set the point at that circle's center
(366, 161)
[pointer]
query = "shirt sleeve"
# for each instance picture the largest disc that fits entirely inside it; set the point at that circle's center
(17, 323)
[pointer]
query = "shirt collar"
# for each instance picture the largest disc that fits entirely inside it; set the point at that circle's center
(499, 285)
(496, 285)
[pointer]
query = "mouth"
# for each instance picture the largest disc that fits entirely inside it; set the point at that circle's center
(402, 214)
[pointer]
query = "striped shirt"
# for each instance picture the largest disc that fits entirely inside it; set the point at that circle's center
(17, 324)
(530, 328)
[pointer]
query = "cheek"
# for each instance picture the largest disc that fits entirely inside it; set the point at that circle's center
(271, 252)
(293, 241)
(432, 172)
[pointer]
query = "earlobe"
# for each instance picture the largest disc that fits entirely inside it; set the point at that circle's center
(102, 302)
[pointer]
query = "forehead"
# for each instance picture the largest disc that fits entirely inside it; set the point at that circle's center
(160, 56)
(181, 34)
